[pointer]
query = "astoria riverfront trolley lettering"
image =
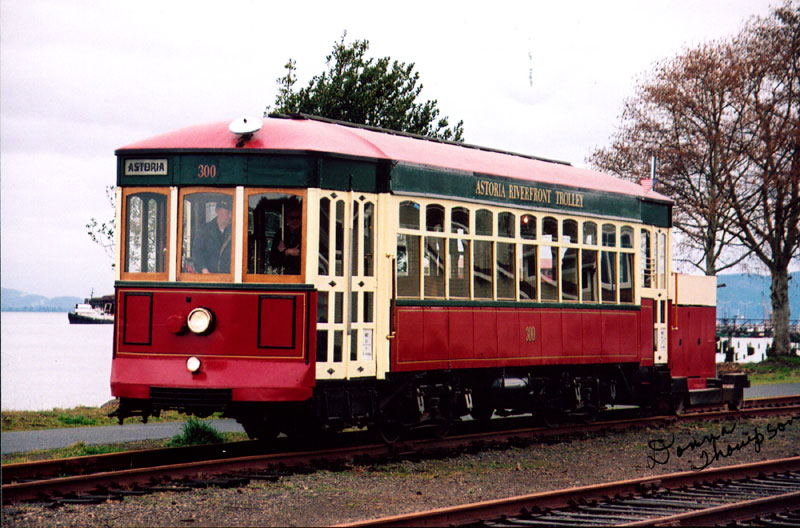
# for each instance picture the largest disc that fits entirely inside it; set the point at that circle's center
(146, 167)
(525, 193)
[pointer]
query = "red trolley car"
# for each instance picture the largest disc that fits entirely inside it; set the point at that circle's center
(299, 273)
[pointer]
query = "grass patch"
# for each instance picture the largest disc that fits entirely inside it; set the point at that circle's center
(196, 432)
(81, 449)
(773, 370)
(75, 417)
(79, 420)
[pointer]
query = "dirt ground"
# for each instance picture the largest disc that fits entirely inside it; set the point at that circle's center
(361, 492)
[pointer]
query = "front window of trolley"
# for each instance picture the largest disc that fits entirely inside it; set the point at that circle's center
(275, 235)
(145, 232)
(207, 233)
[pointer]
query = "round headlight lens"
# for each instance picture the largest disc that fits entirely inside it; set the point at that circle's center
(193, 364)
(199, 320)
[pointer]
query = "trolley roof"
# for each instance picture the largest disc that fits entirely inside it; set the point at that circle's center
(307, 134)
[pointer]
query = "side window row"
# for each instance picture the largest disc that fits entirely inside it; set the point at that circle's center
(464, 265)
(434, 216)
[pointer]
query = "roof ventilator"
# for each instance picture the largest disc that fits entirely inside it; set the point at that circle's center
(245, 127)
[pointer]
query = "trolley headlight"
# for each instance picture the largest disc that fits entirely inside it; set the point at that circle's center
(193, 365)
(200, 320)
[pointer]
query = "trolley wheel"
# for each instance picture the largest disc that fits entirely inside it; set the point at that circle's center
(259, 427)
(441, 427)
(549, 412)
(588, 415)
(737, 402)
(482, 413)
(390, 431)
(679, 405)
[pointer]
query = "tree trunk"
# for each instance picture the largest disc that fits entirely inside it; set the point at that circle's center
(780, 311)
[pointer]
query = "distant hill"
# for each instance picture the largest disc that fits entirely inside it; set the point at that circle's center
(19, 301)
(748, 295)
(743, 295)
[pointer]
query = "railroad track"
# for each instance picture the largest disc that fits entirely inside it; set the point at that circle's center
(767, 492)
(111, 476)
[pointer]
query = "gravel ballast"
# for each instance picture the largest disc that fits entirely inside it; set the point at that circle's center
(361, 492)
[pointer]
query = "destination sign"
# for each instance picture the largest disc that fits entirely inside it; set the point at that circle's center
(525, 193)
(146, 167)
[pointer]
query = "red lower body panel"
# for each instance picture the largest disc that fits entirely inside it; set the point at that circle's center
(259, 345)
(447, 337)
(250, 379)
(692, 343)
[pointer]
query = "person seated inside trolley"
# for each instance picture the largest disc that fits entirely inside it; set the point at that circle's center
(285, 254)
(212, 246)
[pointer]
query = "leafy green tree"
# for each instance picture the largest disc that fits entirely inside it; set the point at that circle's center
(367, 91)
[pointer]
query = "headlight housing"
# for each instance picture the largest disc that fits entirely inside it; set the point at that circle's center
(200, 321)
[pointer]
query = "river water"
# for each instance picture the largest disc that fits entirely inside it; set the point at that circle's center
(48, 363)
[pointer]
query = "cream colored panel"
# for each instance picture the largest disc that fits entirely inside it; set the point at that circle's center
(173, 234)
(117, 234)
(695, 290)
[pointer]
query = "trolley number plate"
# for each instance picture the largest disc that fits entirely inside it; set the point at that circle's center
(530, 334)
(206, 171)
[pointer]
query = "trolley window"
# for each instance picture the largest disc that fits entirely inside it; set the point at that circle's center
(409, 215)
(434, 218)
(206, 234)
(482, 270)
(550, 229)
(590, 233)
(528, 278)
(145, 231)
(647, 259)
(548, 270)
(408, 265)
(527, 227)
(459, 268)
(609, 235)
(369, 239)
(444, 252)
(483, 222)
(589, 291)
(505, 225)
(506, 278)
(274, 233)
(569, 232)
(459, 221)
(569, 274)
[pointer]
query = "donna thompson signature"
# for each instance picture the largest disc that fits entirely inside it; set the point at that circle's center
(712, 447)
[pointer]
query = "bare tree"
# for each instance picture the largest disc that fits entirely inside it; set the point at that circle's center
(765, 191)
(102, 233)
(683, 116)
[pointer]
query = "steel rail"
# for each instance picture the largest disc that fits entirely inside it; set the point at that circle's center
(119, 477)
(727, 513)
(42, 469)
(34, 480)
(482, 511)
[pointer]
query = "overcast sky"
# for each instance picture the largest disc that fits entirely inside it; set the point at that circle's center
(80, 79)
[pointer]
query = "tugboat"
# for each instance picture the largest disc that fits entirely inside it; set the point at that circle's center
(98, 310)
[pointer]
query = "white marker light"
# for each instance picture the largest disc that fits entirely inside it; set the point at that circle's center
(193, 365)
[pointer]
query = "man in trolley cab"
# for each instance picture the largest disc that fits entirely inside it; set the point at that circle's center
(212, 250)
(285, 253)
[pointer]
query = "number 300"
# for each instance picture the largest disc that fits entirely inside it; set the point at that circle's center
(206, 171)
